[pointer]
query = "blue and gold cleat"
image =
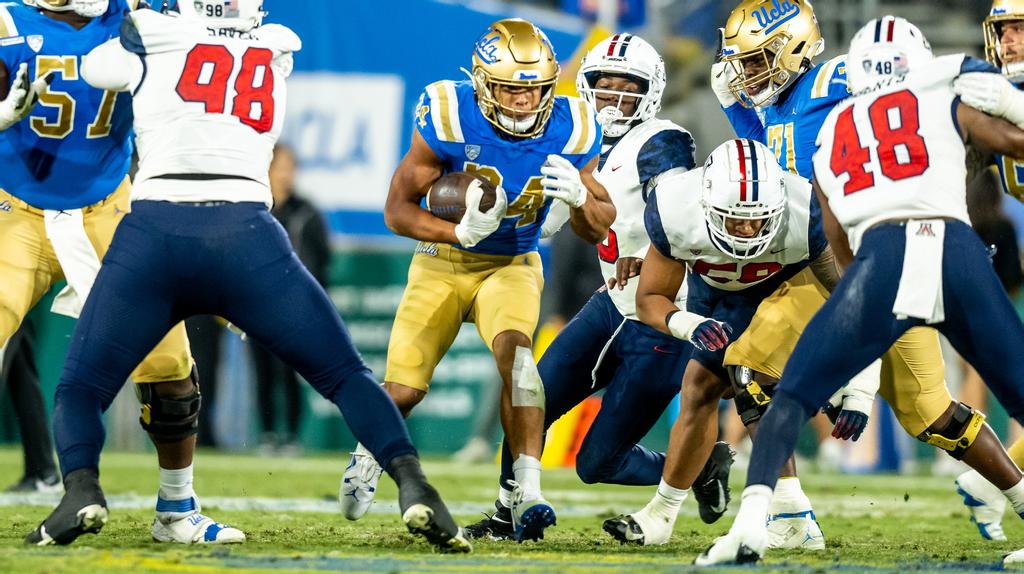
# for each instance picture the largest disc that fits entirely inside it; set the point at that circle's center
(531, 514)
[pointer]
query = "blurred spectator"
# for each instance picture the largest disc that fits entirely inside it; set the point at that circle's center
(308, 234)
(22, 378)
(204, 335)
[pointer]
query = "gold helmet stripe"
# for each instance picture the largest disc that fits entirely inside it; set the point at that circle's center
(583, 130)
(7, 27)
(444, 109)
(822, 83)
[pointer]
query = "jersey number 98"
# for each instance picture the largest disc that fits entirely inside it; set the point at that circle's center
(205, 80)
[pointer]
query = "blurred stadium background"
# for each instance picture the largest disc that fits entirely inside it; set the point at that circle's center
(357, 78)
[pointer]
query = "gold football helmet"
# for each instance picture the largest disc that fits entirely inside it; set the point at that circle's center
(769, 43)
(516, 54)
(1002, 12)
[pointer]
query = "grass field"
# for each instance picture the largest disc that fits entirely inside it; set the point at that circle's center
(287, 508)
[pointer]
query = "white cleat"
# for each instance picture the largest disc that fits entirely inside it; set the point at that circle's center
(643, 528)
(359, 484)
(742, 547)
(986, 503)
(1015, 558)
(799, 530)
(195, 529)
(531, 514)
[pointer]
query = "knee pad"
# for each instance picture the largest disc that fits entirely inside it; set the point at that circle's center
(169, 419)
(959, 433)
(752, 399)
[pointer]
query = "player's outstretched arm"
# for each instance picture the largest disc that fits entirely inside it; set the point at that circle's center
(110, 67)
(594, 218)
(403, 215)
(989, 133)
(838, 241)
(660, 280)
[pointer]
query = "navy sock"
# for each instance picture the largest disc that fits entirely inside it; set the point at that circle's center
(78, 428)
(776, 437)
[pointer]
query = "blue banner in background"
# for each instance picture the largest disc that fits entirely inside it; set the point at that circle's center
(359, 74)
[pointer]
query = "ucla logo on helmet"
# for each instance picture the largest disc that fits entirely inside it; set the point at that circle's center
(780, 13)
(486, 47)
(526, 75)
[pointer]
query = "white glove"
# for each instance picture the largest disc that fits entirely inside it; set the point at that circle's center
(722, 73)
(22, 97)
(476, 225)
(850, 407)
(562, 181)
(991, 93)
(702, 332)
(557, 216)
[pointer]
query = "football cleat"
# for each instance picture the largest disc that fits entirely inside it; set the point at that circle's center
(531, 514)
(82, 510)
(182, 522)
(733, 548)
(1014, 558)
(497, 526)
(46, 484)
(359, 484)
(640, 528)
(795, 530)
(986, 503)
(711, 489)
(425, 514)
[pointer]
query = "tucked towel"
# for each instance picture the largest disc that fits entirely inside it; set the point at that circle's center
(920, 291)
(77, 257)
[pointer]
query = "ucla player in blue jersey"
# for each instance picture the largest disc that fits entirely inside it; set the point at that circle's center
(507, 125)
(64, 190)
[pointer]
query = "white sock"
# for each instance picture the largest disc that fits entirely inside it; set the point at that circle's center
(753, 506)
(527, 472)
(176, 484)
(789, 497)
(1016, 496)
(504, 497)
(667, 500)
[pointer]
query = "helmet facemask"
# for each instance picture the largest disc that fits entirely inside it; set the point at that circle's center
(770, 78)
(743, 247)
(84, 8)
(614, 122)
(995, 49)
(505, 117)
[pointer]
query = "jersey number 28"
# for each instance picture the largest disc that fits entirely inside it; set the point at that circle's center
(205, 80)
(894, 121)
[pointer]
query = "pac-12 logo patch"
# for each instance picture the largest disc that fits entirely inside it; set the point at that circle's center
(472, 152)
(35, 42)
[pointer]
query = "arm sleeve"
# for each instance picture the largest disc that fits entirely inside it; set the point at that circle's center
(110, 66)
(665, 150)
(655, 228)
(745, 122)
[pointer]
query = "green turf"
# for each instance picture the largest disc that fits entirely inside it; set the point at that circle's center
(874, 523)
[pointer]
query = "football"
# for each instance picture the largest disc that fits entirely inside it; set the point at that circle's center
(447, 197)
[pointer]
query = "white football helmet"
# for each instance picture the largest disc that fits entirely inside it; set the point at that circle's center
(241, 15)
(743, 181)
(84, 8)
(627, 56)
(885, 47)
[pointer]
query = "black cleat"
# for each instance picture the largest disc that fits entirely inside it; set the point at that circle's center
(423, 511)
(624, 529)
(497, 526)
(83, 510)
(711, 489)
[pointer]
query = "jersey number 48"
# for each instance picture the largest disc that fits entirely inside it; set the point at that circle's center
(205, 80)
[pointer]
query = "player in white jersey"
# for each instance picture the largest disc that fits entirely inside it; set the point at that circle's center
(209, 101)
(891, 179)
(604, 347)
(734, 231)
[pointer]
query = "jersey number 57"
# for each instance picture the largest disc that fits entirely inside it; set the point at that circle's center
(205, 80)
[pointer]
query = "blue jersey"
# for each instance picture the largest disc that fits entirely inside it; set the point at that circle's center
(790, 126)
(75, 146)
(448, 118)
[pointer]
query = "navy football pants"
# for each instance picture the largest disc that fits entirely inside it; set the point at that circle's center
(856, 326)
(170, 261)
(640, 372)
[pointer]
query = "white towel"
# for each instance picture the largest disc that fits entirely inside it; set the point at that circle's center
(920, 291)
(77, 257)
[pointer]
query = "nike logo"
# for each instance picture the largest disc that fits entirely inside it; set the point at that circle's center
(616, 167)
(660, 349)
(777, 251)
(720, 507)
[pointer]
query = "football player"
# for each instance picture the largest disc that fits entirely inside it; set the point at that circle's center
(890, 175)
(605, 347)
(65, 189)
(507, 125)
(200, 240)
(767, 71)
(1004, 48)
(742, 226)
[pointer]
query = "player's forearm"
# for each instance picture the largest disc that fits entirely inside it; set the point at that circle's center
(653, 308)
(410, 220)
(592, 220)
(826, 269)
(745, 122)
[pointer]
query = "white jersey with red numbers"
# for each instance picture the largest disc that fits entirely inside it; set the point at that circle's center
(211, 102)
(630, 168)
(676, 224)
(895, 151)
